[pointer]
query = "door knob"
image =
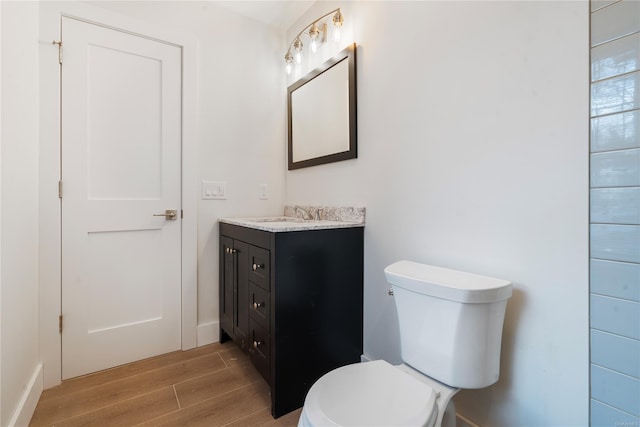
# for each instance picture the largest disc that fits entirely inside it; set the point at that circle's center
(169, 214)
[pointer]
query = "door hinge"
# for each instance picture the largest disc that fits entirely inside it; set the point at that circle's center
(60, 323)
(181, 214)
(59, 189)
(59, 43)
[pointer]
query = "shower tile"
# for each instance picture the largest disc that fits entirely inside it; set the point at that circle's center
(603, 415)
(616, 57)
(616, 131)
(615, 242)
(615, 205)
(615, 20)
(616, 94)
(616, 169)
(616, 316)
(615, 352)
(618, 390)
(599, 4)
(615, 279)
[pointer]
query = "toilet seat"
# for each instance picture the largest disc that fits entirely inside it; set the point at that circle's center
(369, 394)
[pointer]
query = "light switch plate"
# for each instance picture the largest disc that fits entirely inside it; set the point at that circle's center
(214, 190)
(263, 191)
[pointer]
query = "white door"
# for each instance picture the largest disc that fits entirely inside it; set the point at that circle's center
(121, 156)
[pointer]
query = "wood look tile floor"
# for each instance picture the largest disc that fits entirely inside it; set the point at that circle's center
(214, 385)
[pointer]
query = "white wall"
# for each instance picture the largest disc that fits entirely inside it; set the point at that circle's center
(472, 154)
(241, 122)
(20, 369)
(1, 412)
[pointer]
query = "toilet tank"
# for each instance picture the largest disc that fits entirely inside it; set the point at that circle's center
(450, 322)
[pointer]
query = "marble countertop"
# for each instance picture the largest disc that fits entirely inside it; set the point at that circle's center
(279, 224)
(301, 218)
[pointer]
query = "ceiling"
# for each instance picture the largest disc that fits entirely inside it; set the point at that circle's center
(279, 14)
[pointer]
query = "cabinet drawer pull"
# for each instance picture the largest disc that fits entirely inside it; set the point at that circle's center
(257, 266)
(257, 305)
(231, 250)
(256, 344)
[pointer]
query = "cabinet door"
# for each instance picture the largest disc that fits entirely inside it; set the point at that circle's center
(227, 293)
(241, 321)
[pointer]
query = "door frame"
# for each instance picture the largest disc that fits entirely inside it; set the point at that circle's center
(50, 168)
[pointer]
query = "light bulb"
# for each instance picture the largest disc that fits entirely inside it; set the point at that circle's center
(338, 20)
(297, 45)
(313, 35)
(288, 58)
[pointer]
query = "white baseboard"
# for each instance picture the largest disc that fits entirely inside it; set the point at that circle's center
(27, 404)
(208, 333)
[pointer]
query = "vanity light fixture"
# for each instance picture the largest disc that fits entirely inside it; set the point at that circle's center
(317, 33)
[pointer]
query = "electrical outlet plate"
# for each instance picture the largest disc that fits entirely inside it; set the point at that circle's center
(214, 190)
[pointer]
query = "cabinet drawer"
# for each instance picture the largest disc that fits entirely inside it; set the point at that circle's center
(259, 304)
(259, 348)
(259, 266)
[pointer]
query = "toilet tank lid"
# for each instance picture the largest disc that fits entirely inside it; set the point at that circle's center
(446, 283)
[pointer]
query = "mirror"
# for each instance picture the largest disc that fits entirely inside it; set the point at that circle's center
(322, 113)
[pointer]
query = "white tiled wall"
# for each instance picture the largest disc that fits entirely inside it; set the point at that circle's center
(616, 131)
(615, 213)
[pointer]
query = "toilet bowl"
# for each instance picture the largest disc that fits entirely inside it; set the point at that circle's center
(377, 393)
(450, 335)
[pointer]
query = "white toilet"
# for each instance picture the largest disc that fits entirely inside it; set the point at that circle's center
(450, 336)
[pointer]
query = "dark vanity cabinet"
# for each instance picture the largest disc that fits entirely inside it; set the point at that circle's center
(234, 287)
(293, 301)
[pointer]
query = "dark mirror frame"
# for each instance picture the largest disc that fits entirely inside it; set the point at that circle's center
(348, 54)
